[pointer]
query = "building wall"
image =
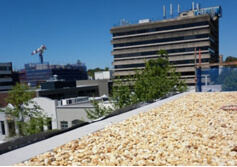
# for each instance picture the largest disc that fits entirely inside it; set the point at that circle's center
(70, 114)
(102, 75)
(6, 81)
(90, 90)
(49, 108)
(104, 85)
(4, 121)
(3, 98)
(133, 45)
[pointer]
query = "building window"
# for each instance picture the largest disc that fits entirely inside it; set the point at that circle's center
(64, 124)
(49, 123)
(3, 128)
(76, 122)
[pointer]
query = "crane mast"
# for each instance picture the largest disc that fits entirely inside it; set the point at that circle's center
(41, 51)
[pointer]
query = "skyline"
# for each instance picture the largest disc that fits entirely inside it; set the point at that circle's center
(73, 29)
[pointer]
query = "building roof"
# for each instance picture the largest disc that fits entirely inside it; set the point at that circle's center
(191, 130)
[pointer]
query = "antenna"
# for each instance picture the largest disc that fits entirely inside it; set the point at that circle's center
(171, 10)
(164, 12)
(193, 4)
(197, 6)
(178, 9)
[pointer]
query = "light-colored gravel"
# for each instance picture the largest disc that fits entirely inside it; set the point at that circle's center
(192, 130)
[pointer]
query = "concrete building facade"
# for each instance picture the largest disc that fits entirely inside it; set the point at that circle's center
(104, 86)
(134, 44)
(103, 75)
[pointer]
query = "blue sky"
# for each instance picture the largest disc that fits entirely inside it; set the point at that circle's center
(80, 29)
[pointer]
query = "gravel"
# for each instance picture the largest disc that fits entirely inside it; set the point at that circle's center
(192, 130)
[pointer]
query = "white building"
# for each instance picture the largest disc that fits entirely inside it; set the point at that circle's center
(3, 126)
(103, 75)
(67, 112)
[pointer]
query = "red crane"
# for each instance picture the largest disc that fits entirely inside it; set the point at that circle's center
(41, 51)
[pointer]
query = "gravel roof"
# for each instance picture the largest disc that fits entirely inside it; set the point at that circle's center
(192, 130)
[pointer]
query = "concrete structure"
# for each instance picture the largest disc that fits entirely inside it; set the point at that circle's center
(6, 80)
(69, 115)
(49, 108)
(103, 75)
(104, 86)
(49, 144)
(134, 44)
(65, 113)
(3, 126)
(69, 92)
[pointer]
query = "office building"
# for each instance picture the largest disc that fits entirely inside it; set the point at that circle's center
(6, 81)
(134, 44)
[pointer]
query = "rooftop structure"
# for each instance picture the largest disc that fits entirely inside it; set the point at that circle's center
(182, 130)
(192, 32)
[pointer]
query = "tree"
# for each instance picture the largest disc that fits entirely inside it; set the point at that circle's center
(230, 81)
(230, 59)
(28, 116)
(163, 54)
(157, 79)
(98, 112)
(122, 93)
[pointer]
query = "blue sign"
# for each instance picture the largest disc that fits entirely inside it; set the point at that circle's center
(213, 11)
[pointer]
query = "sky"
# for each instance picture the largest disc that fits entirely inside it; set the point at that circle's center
(80, 29)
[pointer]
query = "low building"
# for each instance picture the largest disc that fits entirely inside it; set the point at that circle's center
(56, 89)
(49, 107)
(3, 126)
(65, 113)
(100, 75)
(104, 85)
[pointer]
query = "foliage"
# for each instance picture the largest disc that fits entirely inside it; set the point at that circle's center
(122, 93)
(155, 81)
(28, 115)
(230, 82)
(163, 54)
(98, 112)
(230, 59)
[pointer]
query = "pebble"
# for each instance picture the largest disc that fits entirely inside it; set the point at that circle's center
(192, 130)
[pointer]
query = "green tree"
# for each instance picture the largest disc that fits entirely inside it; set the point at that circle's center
(28, 116)
(230, 81)
(163, 54)
(157, 79)
(230, 59)
(98, 111)
(122, 92)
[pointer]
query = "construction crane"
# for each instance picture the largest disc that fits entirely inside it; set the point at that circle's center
(41, 51)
